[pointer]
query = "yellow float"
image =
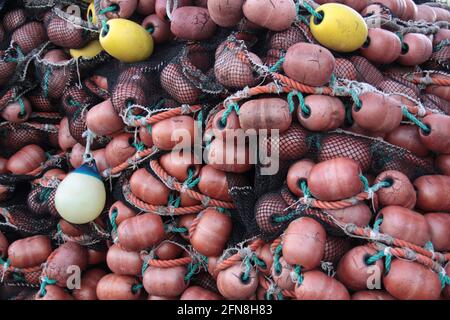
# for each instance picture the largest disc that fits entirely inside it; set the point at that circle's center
(126, 40)
(81, 196)
(91, 15)
(92, 49)
(338, 27)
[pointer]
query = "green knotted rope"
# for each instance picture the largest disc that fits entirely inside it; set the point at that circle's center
(285, 218)
(22, 107)
(232, 106)
(193, 267)
(365, 182)
(277, 65)
(113, 218)
(46, 82)
(290, 97)
(260, 263)
(376, 225)
(190, 181)
(44, 195)
(111, 8)
(245, 277)
(139, 146)
(416, 121)
(44, 282)
(135, 288)
(380, 255)
(311, 10)
(144, 267)
(298, 274)
(276, 259)
(151, 29)
(305, 189)
(174, 201)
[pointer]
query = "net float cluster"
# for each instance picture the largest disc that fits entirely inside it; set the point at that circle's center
(211, 150)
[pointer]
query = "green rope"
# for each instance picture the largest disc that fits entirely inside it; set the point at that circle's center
(378, 256)
(200, 119)
(144, 267)
(193, 267)
(260, 263)
(442, 44)
(372, 259)
(429, 246)
(190, 181)
(365, 182)
(380, 185)
(298, 273)
(301, 100)
(232, 106)
(174, 201)
(22, 107)
(45, 281)
(277, 65)
(416, 121)
(135, 288)
(46, 82)
(5, 263)
(387, 263)
(18, 277)
(276, 259)
(179, 229)
(285, 218)
(111, 8)
(355, 98)
(44, 195)
(376, 225)
(105, 28)
(139, 146)
(305, 189)
(151, 29)
(74, 103)
(248, 268)
(113, 218)
(312, 11)
(445, 279)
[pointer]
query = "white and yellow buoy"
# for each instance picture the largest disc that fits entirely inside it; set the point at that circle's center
(81, 196)
(338, 27)
(126, 40)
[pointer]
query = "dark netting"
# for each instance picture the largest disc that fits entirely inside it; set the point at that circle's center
(433, 102)
(399, 85)
(206, 281)
(345, 69)
(366, 71)
(54, 162)
(244, 224)
(335, 248)
(19, 219)
(16, 136)
(234, 67)
(62, 32)
(76, 102)
(55, 77)
(440, 58)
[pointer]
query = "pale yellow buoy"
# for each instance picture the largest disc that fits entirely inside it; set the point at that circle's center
(91, 50)
(338, 27)
(81, 196)
(126, 40)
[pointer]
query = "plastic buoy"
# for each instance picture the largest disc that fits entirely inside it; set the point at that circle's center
(81, 196)
(89, 51)
(126, 40)
(338, 27)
